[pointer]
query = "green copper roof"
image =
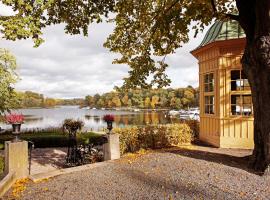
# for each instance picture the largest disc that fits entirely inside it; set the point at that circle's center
(223, 31)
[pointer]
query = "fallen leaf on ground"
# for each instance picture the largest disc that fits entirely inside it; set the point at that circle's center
(19, 186)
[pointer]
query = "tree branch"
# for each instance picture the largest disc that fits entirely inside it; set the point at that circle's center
(214, 6)
(166, 10)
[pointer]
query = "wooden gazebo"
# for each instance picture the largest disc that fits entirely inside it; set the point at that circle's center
(226, 114)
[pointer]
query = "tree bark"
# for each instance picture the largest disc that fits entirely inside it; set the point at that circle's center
(255, 20)
(259, 77)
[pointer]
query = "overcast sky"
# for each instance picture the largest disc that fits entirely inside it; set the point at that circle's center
(74, 66)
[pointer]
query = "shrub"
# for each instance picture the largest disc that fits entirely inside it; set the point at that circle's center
(194, 126)
(51, 130)
(45, 140)
(153, 136)
(128, 139)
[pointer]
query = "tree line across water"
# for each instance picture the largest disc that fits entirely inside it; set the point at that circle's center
(179, 98)
(29, 99)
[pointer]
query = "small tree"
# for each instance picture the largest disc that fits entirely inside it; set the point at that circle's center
(8, 77)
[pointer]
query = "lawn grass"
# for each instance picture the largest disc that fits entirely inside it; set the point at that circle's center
(51, 139)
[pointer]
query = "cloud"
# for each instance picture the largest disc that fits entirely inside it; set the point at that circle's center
(74, 66)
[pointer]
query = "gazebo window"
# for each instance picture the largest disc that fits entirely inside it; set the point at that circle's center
(241, 102)
(209, 93)
(209, 104)
(239, 81)
(209, 82)
(241, 105)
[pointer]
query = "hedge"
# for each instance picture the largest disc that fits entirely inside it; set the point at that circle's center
(45, 140)
(153, 136)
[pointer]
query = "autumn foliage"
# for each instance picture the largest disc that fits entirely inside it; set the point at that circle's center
(153, 136)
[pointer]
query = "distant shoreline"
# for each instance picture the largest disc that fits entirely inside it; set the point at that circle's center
(58, 106)
(128, 109)
(114, 109)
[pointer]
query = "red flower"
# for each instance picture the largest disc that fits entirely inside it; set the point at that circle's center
(14, 118)
(108, 118)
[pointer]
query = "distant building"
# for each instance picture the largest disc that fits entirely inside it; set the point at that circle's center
(226, 113)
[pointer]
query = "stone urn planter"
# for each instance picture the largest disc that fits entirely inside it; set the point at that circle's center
(109, 126)
(16, 131)
(16, 128)
(109, 119)
(16, 121)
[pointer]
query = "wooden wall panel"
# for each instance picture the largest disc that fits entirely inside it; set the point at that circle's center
(237, 133)
(209, 131)
(222, 129)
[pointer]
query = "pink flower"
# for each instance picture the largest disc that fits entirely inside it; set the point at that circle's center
(14, 118)
(108, 118)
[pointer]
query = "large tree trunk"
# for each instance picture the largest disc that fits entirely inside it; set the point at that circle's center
(259, 77)
(254, 17)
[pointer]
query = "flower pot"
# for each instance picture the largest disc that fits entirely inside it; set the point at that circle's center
(16, 130)
(109, 126)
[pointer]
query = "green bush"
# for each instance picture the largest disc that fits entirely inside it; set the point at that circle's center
(45, 140)
(153, 136)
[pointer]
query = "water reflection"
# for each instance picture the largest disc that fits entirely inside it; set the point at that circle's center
(45, 118)
(33, 119)
(139, 119)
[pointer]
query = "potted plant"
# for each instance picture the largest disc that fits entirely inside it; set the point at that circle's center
(15, 120)
(109, 119)
(72, 126)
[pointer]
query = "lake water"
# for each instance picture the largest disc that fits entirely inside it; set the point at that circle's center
(45, 118)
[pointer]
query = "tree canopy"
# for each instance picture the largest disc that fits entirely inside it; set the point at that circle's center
(148, 30)
(178, 98)
(29, 99)
(8, 77)
(145, 31)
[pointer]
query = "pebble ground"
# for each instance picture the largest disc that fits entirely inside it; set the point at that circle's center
(178, 173)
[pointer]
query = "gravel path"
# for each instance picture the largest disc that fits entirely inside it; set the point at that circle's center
(176, 173)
